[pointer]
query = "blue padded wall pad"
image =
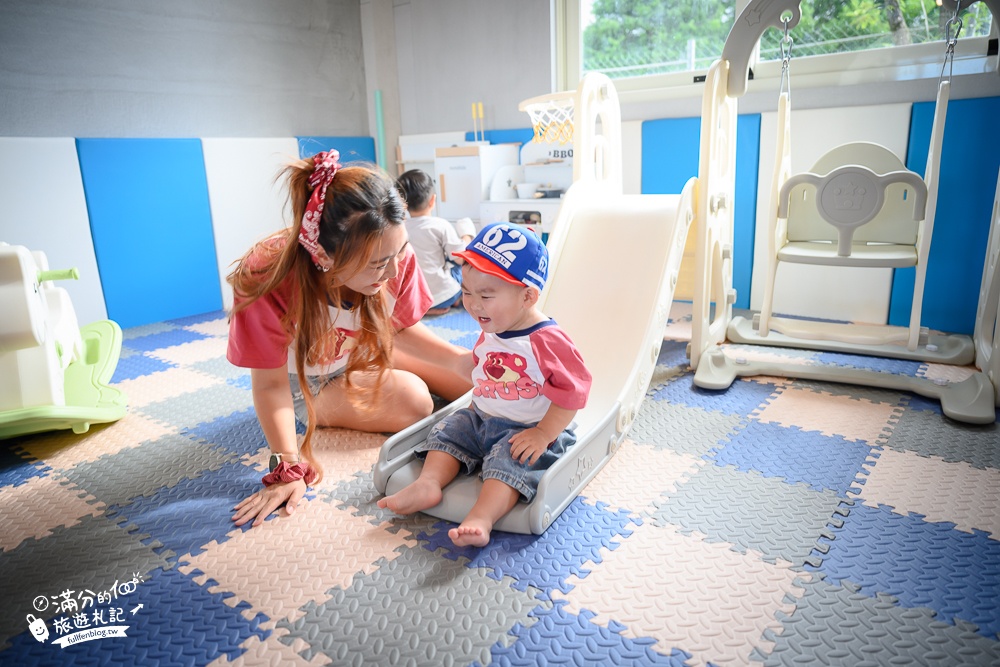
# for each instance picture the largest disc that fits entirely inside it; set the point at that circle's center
(152, 227)
(670, 149)
(352, 149)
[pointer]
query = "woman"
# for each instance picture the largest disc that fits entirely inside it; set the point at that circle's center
(326, 316)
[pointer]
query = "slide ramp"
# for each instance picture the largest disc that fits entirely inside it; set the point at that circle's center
(614, 261)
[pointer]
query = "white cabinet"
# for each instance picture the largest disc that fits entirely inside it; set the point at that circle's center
(464, 175)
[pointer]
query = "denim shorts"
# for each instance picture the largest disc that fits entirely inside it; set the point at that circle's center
(315, 384)
(475, 438)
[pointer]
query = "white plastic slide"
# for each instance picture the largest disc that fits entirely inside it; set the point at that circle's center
(613, 265)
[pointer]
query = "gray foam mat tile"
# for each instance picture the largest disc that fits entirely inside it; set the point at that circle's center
(91, 555)
(681, 429)
(839, 627)
(359, 497)
(750, 511)
(118, 478)
(417, 609)
(200, 406)
(220, 368)
(928, 433)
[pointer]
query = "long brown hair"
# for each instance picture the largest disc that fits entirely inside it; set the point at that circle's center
(361, 204)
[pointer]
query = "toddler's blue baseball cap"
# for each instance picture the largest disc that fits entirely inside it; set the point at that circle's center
(507, 252)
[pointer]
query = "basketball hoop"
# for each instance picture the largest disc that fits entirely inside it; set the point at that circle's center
(551, 117)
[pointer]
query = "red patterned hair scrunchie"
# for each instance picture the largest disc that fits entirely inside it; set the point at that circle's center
(326, 166)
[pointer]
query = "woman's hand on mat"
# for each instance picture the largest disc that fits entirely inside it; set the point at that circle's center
(261, 504)
(529, 444)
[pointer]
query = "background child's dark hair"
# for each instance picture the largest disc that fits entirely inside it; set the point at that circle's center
(416, 186)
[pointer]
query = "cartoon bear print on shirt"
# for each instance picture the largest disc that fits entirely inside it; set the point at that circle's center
(508, 378)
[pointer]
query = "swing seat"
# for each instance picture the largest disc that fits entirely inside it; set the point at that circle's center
(857, 207)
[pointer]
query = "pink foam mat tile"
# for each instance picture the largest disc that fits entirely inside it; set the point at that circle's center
(193, 352)
(941, 491)
(33, 509)
(341, 452)
(163, 385)
(218, 328)
(850, 418)
(637, 475)
(946, 373)
(288, 561)
(688, 594)
(63, 450)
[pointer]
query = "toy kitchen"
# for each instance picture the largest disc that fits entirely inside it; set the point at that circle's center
(499, 183)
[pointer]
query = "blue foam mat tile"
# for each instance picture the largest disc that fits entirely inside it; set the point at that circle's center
(741, 397)
(673, 354)
(138, 365)
(207, 500)
(92, 555)
(15, 469)
(543, 561)
(164, 339)
(242, 382)
(560, 638)
(239, 433)
(179, 623)
(921, 564)
(457, 319)
(881, 364)
(128, 333)
(821, 461)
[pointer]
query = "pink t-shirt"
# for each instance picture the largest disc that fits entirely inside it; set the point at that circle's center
(258, 340)
(519, 374)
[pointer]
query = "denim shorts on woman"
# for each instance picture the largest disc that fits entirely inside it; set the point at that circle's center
(315, 384)
(475, 438)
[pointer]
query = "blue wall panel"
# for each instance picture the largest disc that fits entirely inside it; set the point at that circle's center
(352, 149)
(970, 159)
(670, 153)
(149, 216)
(516, 136)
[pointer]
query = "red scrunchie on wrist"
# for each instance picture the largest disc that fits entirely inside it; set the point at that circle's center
(290, 472)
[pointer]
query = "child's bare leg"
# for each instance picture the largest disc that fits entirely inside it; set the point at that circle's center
(495, 500)
(439, 469)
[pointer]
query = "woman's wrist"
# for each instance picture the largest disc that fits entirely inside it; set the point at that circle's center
(277, 458)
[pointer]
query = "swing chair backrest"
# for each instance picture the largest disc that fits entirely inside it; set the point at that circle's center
(847, 180)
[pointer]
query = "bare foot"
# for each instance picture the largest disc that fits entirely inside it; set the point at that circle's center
(472, 533)
(418, 496)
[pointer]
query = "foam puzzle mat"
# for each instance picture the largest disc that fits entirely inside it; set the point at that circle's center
(778, 522)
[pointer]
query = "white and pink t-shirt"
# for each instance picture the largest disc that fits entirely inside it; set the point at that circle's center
(257, 338)
(519, 374)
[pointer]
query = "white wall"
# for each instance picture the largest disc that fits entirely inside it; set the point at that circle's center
(182, 68)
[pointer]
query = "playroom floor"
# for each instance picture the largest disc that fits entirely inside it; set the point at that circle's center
(778, 522)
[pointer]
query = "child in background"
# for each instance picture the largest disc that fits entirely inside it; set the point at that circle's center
(434, 240)
(529, 379)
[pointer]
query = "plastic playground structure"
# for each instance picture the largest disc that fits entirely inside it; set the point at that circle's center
(581, 250)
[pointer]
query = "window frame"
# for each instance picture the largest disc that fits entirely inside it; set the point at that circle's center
(886, 64)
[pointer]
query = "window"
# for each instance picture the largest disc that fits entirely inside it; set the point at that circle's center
(838, 26)
(658, 47)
